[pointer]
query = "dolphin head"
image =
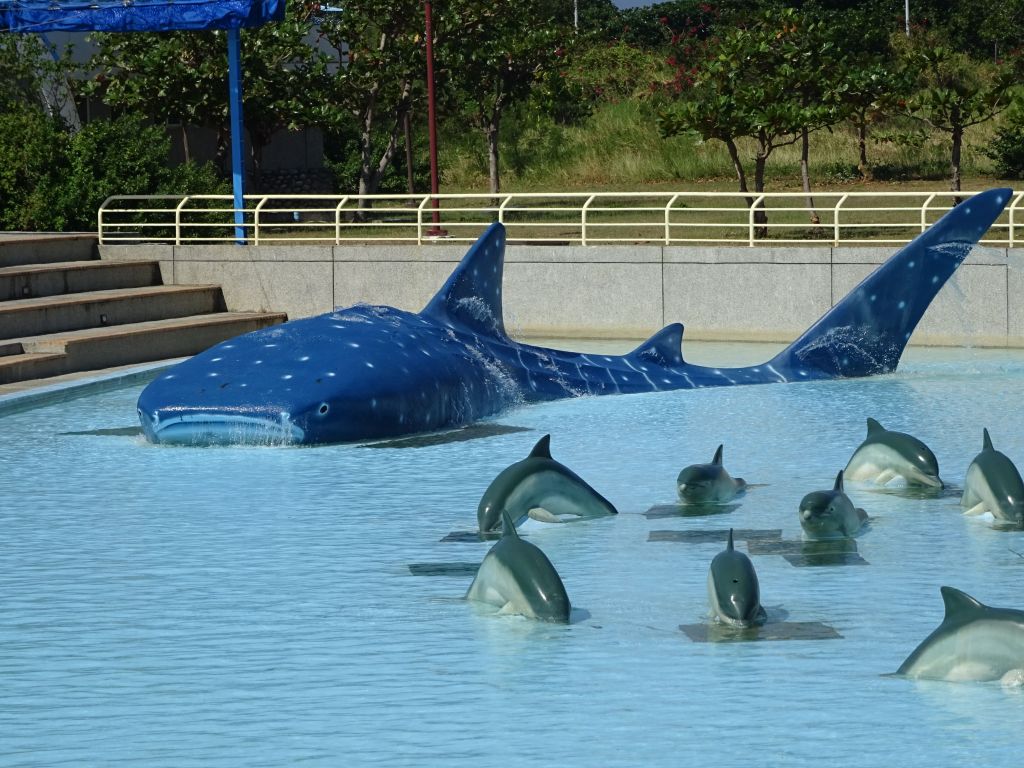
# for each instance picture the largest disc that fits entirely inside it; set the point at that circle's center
(820, 516)
(733, 589)
(900, 454)
(705, 483)
(1004, 487)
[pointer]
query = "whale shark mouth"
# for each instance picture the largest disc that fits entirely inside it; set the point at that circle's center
(198, 429)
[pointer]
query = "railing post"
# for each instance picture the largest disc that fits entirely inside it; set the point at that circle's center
(924, 211)
(419, 220)
(1013, 218)
(256, 219)
(836, 237)
(668, 211)
(753, 208)
(99, 221)
(501, 209)
(583, 220)
(337, 219)
(177, 219)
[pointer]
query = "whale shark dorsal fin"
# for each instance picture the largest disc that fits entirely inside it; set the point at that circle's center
(959, 604)
(730, 546)
(874, 427)
(471, 296)
(839, 482)
(718, 456)
(663, 348)
(508, 528)
(987, 441)
(542, 450)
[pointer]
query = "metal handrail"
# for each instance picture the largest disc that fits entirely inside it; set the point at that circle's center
(662, 217)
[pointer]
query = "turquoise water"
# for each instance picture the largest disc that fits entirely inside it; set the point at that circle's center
(227, 607)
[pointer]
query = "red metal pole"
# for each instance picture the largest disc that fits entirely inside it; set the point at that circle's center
(436, 230)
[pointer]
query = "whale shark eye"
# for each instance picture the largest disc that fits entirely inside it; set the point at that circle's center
(323, 409)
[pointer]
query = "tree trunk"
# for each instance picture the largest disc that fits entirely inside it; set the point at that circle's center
(958, 140)
(492, 154)
(741, 176)
(805, 174)
(760, 214)
(186, 149)
(410, 179)
(862, 147)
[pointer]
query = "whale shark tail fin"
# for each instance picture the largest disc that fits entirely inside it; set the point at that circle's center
(959, 605)
(542, 450)
(718, 456)
(508, 528)
(986, 444)
(665, 348)
(471, 296)
(839, 482)
(866, 332)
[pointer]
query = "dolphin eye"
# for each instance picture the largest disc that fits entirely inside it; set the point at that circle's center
(324, 408)
(735, 581)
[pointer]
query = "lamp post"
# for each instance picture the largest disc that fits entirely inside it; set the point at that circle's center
(434, 231)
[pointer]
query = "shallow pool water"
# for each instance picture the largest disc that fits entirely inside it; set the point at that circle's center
(255, 606)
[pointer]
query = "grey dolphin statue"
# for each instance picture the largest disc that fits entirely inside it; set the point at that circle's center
(542, 488)
(708, 483)
(973, 643)
(830, 514)
(733, 591)
(994, 485)
(885, 455)
(518, 578)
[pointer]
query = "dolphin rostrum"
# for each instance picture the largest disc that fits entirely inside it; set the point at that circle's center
(993, 485)
(885, 455)
(518, 578)
(733, 590)
(830, 514)
(370, 372)
(708, 483)
(541, 488)
(973, 643)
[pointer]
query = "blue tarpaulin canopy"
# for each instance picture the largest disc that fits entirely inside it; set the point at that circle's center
(158, 16)
(135, 15)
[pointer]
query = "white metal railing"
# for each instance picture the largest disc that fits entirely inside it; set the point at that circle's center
(586, 218)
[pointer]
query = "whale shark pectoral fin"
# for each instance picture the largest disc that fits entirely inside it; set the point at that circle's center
(959, 604)
(977, 509)
(718, 456)
(543, 516)
(986, 441)
(471, 296)
(664, 348)
(874, 427)
(542, 450)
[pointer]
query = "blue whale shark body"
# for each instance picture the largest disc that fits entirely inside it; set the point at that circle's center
(369, 372)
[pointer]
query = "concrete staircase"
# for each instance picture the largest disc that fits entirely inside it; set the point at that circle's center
(62, 310)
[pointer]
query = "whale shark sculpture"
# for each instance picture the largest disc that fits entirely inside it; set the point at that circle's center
(994, 485)
(885, 455)
(371, 372)
(973, 643)
(830, 514)
(708, 483)
(733, 589)
(541, 488)
(517, 576)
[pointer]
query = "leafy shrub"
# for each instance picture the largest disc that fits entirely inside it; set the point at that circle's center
(33, 161)
(1007, 148)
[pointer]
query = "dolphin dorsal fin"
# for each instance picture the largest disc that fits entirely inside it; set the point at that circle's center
(665, 348)
(987, 441)
(839, 482)
(958, 603)
(542, 450)
(874, 427)
(508, 528)
(718, 456)
(730, 546)
(471, 297)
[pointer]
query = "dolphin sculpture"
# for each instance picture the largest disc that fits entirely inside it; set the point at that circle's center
(518, 578)
(370, 372)
(830, 514)
(541, 488)
(973, 643)
(708, 483)
(733, 590)
(885, 455)
(993, 485)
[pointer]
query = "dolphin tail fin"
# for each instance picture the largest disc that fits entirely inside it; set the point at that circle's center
(866, 332)
(718, 456)
(987, 441)
(508, 528)
(958, 604)
(839, 482)
(471, 296)
(665, 348)
(542, 450)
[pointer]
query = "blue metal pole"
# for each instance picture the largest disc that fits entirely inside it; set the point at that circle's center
(237, 130)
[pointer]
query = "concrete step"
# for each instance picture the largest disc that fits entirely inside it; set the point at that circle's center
(17, 249)
(55, 314)
(10, 348)
(95, 348)
(35, 280)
